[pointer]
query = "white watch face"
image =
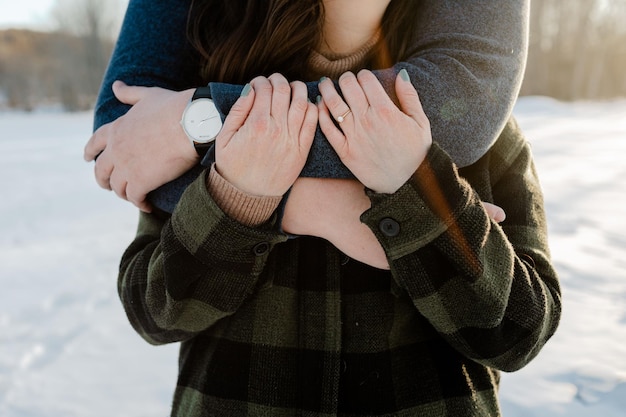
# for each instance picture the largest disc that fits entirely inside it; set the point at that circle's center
(201, 120)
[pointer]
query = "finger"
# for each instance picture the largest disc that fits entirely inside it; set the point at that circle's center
(336, 106)
(103, 169)
(299, 106)
(409, 100)
(334, 135)
(118, 184)
(263, 97)
(353, 93)
(144, 206)
(238, 114)
(128, 94)
(281, 95)
(307, 133)
(138, 199)
(496, 213)
(96, 144)
(374, 91)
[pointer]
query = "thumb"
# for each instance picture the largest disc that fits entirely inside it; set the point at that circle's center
(408, 98)
(127, 94)
(238, 113)
(496, 213)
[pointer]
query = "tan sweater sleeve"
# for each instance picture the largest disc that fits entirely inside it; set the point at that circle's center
(247, 209)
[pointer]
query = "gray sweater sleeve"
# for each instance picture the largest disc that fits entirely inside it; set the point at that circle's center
(466, 64)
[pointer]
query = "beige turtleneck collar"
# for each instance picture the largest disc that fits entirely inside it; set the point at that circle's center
(333, 65)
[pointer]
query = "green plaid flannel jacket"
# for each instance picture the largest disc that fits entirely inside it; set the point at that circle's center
(278, 327)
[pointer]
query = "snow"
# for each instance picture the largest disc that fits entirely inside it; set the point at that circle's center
(66, 348)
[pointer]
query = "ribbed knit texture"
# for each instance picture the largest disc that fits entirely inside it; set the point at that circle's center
(247, 209)
(333, 65)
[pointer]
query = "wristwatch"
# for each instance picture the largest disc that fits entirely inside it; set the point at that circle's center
(201, 121)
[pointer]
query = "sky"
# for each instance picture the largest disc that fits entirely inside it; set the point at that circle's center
(25, 13)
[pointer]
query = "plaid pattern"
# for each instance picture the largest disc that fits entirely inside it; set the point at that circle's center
(297, 330)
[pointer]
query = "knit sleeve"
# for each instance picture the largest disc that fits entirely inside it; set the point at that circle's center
(184, 272)
(490, 290)
(151, 50)
(247, 209)
(467, 64)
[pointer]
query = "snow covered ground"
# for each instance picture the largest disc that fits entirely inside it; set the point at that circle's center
(66, 348)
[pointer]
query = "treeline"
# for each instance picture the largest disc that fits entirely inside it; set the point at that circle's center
(50, 68)
(577, 50)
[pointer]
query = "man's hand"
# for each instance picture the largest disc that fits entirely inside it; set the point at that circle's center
(146, 147)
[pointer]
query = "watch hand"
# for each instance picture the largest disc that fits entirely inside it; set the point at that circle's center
(208, 118)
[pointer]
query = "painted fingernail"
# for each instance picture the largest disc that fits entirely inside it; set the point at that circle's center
(323, 79)
(246, 90)
(404, 75)
(318, 99)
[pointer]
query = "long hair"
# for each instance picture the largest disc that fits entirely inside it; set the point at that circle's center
(240, 39)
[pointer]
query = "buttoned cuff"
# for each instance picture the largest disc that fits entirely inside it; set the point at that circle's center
(419, 211)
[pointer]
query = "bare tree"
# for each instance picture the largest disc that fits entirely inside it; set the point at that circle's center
(95, 23)
(88, 18)
(576, 49)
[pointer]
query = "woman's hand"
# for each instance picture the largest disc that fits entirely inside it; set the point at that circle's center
(266, 137)
(146, 147)
(381, 144)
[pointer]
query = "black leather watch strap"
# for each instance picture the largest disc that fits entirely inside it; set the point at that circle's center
(202, 92)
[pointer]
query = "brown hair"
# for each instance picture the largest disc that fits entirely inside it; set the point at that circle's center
(240, 39)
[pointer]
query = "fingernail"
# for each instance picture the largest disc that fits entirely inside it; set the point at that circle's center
(246, 90)
(404, 75)
(318, 99)
(323, 79)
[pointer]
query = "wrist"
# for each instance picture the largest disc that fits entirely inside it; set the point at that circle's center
(179, 102)
(323, 206)
(250, 210)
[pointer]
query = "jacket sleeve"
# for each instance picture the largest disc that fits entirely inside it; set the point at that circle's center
(466, 63)
(489, 290)
(183, 273)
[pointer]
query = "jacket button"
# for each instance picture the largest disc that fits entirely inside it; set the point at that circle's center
(261, 249)
(389, 227)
